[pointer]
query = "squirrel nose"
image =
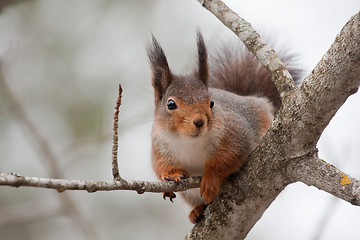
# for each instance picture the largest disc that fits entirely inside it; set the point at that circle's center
(198, 122)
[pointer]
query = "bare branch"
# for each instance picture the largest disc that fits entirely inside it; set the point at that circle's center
(252, 40)
(62, 185)
(115, 166)
(333, 80)
(318, 173)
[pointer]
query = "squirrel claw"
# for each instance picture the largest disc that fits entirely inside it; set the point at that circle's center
(170, 195)
(176, 177)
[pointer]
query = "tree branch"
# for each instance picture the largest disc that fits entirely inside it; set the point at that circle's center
(333, 80)
(61, 185)
(326, 177)
(252, 40)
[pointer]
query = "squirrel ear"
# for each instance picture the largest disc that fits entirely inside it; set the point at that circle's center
(157, 83)
(161, 75)
(203, 69)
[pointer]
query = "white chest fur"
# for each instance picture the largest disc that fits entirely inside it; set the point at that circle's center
(190, 153)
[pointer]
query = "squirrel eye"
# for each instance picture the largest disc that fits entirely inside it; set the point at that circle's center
(211, 104)
(171, 105)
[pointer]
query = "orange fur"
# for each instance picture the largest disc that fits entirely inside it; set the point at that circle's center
(217, 169)
(183, 121)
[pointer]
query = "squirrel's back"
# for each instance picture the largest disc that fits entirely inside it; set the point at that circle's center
(233, 68)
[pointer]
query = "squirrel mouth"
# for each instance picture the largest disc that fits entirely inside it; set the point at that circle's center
(195, 135)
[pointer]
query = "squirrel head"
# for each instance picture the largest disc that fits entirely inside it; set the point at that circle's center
(183, 104)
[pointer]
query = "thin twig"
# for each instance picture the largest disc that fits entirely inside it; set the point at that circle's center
(115, 166)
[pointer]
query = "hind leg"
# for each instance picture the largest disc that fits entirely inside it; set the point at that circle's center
(197, 213)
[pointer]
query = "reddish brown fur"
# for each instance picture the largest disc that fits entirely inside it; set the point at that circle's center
(217, 169)
(183, 121)
(197, 213)
(195, 139)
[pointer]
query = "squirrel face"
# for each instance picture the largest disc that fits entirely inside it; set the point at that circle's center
(183, 104)
(186, 108)
(189, 120)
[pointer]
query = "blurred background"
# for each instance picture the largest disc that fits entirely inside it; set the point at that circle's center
(61, 63)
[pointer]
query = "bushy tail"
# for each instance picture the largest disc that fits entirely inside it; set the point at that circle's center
(236, 70)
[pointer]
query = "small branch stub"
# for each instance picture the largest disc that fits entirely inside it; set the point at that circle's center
(326, 177)
(115, 166)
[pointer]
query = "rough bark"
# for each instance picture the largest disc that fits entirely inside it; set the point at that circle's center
(326, 177)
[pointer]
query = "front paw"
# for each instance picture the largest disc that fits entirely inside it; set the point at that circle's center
(176, 176)
(209, 188)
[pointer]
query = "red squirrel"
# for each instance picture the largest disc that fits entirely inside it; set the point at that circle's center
(208, 121)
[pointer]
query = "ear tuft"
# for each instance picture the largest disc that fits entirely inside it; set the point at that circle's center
(156, 55)
(161, 75)
(203, 68)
